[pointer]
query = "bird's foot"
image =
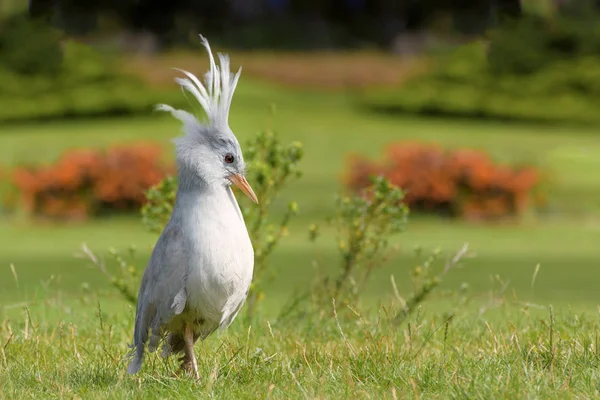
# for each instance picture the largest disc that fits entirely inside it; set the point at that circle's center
(189, 359)
(189, 367)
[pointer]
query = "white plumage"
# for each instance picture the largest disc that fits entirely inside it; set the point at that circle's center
(200, 270)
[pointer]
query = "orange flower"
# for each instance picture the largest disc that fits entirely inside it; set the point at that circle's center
(84, 181)
(465, 181)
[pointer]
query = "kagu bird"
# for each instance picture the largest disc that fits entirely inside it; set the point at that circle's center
(200, 270)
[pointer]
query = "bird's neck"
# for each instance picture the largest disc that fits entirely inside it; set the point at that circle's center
(189, 181)
(191, 185)
(196, 195)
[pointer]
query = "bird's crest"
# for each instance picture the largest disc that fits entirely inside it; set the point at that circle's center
(214, 96)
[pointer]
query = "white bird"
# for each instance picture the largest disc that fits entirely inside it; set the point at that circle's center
(200, 270)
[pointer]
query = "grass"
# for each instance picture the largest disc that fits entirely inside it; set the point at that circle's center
(567, 272)
(74, 348)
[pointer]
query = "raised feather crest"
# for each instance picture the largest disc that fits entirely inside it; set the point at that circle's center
(214, 96)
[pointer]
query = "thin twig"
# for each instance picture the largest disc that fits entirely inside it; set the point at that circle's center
(8, 341)
(14, 273)
(396, 292)
(296, 381)
(89, 254)
(454, 260)
(337, 321)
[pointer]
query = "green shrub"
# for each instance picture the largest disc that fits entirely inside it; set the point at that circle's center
(29, 47)
(533, 42)
(364, 224)
(44, 77)
(463, 84)
(537, 68)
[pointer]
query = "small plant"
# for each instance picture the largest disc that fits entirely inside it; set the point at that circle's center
(271, 166)
(364, 224)
(425, 279)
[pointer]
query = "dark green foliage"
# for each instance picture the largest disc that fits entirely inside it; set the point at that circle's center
(519, 48)
(29, 47)
(536, 68)
(464, 85)
(42, 77)
(534, 42)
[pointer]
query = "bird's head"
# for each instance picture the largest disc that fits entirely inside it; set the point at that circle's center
(209, 151)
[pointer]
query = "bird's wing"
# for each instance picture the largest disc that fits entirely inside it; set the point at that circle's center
(162, 292)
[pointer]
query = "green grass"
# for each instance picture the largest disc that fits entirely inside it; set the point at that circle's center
(567, 269)
(75, 348)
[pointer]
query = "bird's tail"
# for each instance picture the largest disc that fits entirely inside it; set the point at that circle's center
(140, 337)
(136, 356)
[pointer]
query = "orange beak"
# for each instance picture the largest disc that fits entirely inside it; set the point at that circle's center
(241, 182)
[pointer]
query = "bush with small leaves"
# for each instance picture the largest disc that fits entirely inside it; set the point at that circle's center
(364, 224)
(425, 278)
(160, 200)
(273, 165)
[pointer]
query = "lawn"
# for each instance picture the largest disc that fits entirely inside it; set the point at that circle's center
(74, 348)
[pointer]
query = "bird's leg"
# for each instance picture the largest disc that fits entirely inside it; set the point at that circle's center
(189, 360)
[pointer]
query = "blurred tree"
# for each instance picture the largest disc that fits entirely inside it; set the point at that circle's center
(507, 8)
(249, 22)
(42, 9)
(152, 16)
(29, 47)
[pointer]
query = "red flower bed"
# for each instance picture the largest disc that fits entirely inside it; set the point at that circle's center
(85, 183)
(463, 183)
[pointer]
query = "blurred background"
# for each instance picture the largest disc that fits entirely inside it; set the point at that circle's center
(486, 112)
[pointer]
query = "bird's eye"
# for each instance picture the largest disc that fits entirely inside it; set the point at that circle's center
(229, 158)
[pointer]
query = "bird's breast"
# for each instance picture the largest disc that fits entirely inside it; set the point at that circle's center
(222, 262)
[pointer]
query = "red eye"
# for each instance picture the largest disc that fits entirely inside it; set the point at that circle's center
(229, 158)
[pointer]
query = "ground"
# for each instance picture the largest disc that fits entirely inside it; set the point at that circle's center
(70, 340)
